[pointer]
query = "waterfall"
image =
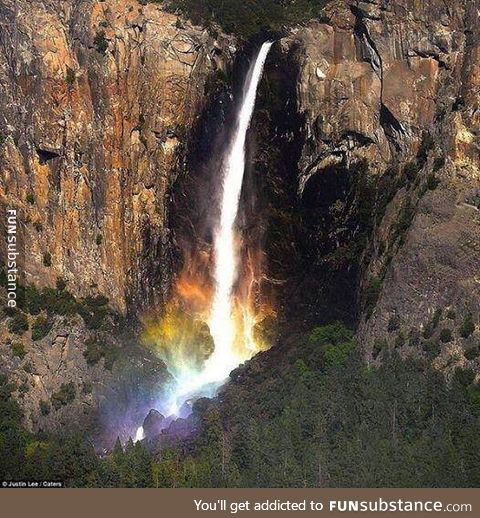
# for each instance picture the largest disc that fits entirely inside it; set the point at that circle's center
(221, 322)
(231, 345)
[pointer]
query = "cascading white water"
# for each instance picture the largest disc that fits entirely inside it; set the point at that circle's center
(221, 320)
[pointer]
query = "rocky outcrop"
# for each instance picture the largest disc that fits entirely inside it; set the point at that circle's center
(73, 379)
(97, 98)
(390, 91)
(153, 424)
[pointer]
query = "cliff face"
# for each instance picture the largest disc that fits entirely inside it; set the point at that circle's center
(367, 122)
(97, 98)
(389, 92)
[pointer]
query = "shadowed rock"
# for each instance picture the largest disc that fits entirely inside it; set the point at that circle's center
(153, 423)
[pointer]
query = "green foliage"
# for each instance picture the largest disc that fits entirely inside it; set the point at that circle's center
(468, 326)
(337, 355)
(40, 328)
(404, 221)
(87, 387)
(438, 163)
(31, 301)
(294, 422)
(18, 324)
(410, 170)
(432, 348)
(13, 438)
(465, 376)
(37, 225)
(94, 351)
(430, 327)
(61, 284)
(30, 198)
(335, 341)
(388, 185)
(426, 145)
(54, 302)
(472, 352)
(287, 419)
(473, 392)
(97, 349)
(432, 182)
(69, 458)
(10, 312)
(333, 334)
(98, 301)
(248, 18)
(70, 76)
(474, 200)
(61, 302)
(378, 347)
(18, 350)
(451, 314)
(393, 323)
(93, 310)
(44, 407)
(446, 335)
(400, 340)
(101, 43)
(23, 388)
(64, 396)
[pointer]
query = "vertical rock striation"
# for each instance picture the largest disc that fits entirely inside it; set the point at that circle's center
(389, 91)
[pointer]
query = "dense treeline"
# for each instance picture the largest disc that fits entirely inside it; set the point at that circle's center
(317, 415)
(249, 17)
(309, 413)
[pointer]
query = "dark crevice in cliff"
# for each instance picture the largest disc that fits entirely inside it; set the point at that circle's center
(368, 49)
(313, 239)
(391, 126)
(44, 155)
(431, 55)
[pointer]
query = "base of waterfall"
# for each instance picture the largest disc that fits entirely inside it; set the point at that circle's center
(178, 407)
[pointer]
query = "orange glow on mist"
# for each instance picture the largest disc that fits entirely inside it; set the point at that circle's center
(180, 334)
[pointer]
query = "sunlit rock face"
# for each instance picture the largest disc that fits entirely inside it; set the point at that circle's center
(97, 101)
(374, 75)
